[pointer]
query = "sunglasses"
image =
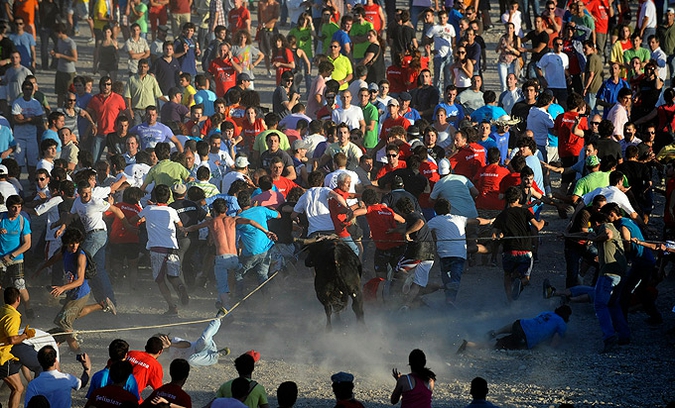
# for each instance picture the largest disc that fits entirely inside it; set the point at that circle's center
(461, 52)
(392, 155)
(335, 46)
(72, 100)
(595, 123)
(108, 84)
(41, 179)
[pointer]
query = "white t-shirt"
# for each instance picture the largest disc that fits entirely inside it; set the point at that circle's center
(648, 9)
(517, 21)
(314, 203)
(554, 66)
(91, 213)
(26, 108)
(160, 221)
(230, 178)
(7, 189)
(443, 36)
(136, 173)
(351, 116)
(312, 142)
(448, 227)
(45, 164)
(613, 195)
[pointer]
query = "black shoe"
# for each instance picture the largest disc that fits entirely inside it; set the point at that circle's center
(548, 290)
(610, 344)
(516, 289)
(654, 320)
(623, 342)
(462, 347)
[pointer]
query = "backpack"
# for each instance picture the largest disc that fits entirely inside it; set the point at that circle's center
(90, 270)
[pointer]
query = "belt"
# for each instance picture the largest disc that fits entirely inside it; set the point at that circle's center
(95, 230)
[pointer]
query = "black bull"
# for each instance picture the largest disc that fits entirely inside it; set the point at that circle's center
(337, 276)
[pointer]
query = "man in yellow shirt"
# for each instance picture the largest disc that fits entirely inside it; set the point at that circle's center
(342, 66)
(10, 322)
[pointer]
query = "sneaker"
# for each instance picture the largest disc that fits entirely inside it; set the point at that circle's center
(623, 341)
(91, 41)
(404, 309)
(109, 306)
(173, 311)
(183, 293)
(549, 290)
(224, 352)
(221, 312)
(610, 345)
(516, 288)
(491, 335)
(462, 347)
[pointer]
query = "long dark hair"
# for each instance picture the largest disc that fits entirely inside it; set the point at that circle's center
(417, 361)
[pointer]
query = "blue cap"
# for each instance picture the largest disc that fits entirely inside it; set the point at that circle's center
(342, 377)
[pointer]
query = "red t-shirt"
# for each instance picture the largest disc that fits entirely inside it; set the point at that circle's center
(250, 130)
(388, 168)
(339, 215)
(397, 78)
(599, 9)
(284, 185)
(237, 18)
(147, 370)
(488, 186)
(325, 113)
(569, 144)
(284, 55)
(110, 396)
(510, 180)
(106, 110)
(373, 15)
(390, 123)
(381, 219)
(191, 123)
(429, 170)
(468, 160)
(119, 235)
(172, 393)
(224, 74)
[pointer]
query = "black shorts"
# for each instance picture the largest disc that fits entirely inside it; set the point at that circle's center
(121, 251)
(569, 161)
(9, 369)
(514, 341)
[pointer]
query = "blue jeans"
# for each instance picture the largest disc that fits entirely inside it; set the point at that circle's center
(350, 243)
(97, 146)
(647, 33)
(95, 243)
(451, 274)
(222, 265)
(671, 65)
(415, 12)
(592, 101)
(504, 70)
(206, 351)
(258, 264)
(442, 65)
(608, 309)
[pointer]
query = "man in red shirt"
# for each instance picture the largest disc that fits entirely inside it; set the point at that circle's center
(394, 119)
(172, 393)
(599, 9)
(393, 162)
(283, 184)
(570, 127)
(389, 247)
(146, 369)
(343, 216)
(104, 108)
(239, 18)
(224, 70)
(470, 157)
(488, 181)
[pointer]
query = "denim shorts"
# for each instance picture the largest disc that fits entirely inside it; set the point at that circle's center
(223, 264)
(520, 265)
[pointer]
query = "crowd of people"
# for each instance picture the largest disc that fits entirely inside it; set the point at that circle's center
(405, 156)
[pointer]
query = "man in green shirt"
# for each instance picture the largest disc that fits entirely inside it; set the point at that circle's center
(141, 91)
(636, 51)
(371, 117)
(166, 171)
(591, 181)
(328, 28)
(666, 34)
(358, 34)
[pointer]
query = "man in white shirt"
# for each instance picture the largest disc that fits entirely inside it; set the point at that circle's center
(314, 204)
(52, 383)
(6, 188)
(443, 36)
(614, 194)
(91, 210)
(350, 114)
(658, 56)
(161, 221)
(555, 66)
(512, 95)
(618, 115)
(646, 22)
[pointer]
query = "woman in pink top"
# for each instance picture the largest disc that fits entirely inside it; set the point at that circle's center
(415, 388)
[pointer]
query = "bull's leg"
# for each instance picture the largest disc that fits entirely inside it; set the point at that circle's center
(357, 306)
(328, 311)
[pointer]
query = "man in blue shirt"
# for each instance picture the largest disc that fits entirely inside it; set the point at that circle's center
(342, 35)
(15, 239)
(117, 351)
(608, 94)
(255, 252)
(454, 111)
